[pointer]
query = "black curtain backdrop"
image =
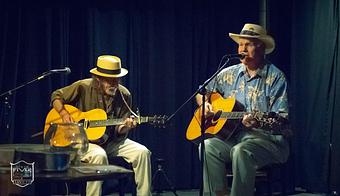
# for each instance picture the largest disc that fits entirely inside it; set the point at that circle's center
(170, 48)
(315, 93)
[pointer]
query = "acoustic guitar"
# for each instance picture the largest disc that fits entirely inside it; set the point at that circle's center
(270, 122)
(95, 121)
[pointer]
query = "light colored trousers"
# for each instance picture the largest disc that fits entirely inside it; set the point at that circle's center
(246, 155)
(136, 154)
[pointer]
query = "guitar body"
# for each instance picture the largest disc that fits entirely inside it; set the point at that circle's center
(213, 124)
(93, 133)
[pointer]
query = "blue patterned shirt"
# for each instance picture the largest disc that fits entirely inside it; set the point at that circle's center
(265, 92)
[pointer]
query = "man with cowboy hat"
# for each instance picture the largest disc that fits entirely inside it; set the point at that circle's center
(257, 85)
(104, 91)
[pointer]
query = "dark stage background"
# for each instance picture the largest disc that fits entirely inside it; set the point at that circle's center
(170, 48)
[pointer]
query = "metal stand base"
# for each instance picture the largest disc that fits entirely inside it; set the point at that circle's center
(157, 177)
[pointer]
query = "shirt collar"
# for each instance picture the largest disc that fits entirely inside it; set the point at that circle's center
(262, 72)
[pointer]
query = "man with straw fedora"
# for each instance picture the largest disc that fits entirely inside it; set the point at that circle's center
(257, 85)
(104, 91)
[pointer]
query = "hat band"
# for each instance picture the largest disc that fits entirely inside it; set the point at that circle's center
(106, 71)
(246, 32)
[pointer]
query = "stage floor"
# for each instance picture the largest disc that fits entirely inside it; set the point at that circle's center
(196, 193)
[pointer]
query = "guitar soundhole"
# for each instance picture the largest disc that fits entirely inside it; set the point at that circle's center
(211, 120)
(217, 116)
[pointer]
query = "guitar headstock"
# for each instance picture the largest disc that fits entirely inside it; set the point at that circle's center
(158, 121)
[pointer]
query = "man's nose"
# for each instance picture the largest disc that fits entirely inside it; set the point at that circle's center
(244, 49)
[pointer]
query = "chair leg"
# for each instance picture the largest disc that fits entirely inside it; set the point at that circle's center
(269, 183)
(283, 180)
(121, 185)
(126, 183)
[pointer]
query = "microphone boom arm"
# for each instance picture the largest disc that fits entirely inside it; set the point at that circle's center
(6, 110)
(66, 70)
(10, 92)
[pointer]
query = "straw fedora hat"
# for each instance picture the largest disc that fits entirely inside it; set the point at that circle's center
(256, 32)
(109, 66)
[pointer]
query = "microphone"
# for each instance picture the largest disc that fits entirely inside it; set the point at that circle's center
(231, 56)
(66, 70)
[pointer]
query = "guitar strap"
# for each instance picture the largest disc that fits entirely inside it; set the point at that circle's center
(127, 105)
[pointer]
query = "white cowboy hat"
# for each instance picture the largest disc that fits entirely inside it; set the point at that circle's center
(109, 66)
(256, 32)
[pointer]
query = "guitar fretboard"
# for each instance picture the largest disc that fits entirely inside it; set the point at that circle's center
(104, 123)
(111, 122)
(233, 115)
(239, 115)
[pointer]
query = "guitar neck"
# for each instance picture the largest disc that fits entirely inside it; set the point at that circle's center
(233, 115)
(104, 123)
(111, 122)
(239, 115)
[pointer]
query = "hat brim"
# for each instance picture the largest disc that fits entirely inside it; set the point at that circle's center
(121, 74)
(266, 39)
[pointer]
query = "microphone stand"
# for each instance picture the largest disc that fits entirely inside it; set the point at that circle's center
(6, 106)
(201, 90)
